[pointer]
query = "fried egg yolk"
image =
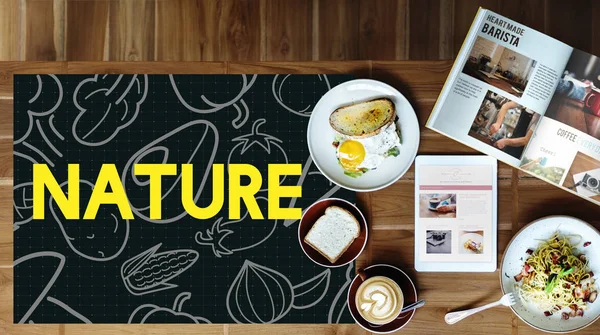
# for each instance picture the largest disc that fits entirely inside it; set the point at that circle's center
(351, 154)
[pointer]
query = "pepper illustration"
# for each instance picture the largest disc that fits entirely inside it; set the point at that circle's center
(194, 143)
(149, 313)
(101, 239)
(107, 104)
(258, 149)
(290, 84)
(150, 272)
(224, 237)
(259, 294)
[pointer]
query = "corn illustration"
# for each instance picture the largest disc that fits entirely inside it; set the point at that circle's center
(151, 272)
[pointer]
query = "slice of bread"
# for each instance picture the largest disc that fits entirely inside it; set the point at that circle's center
(363, 119)
(333, 233)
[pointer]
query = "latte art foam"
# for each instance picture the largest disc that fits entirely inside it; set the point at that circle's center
(379, 300)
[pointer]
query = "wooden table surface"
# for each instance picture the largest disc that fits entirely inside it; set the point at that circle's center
(390, 211)
(573, 113)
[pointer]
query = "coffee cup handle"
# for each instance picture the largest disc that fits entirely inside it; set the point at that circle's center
(362, 274)
(587, 100)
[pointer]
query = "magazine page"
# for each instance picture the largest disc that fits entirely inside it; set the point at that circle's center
(500, 85)
(565, 149)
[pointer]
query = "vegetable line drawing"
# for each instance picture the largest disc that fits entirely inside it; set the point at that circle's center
(68, 309)
(255, 282)
(278, 85)
(339, 305)
(103, 105)
(151, 272)
(245, 114)
(31, 112)
(224, 237)
(214, 106)
(22, 204)
(254, 144)
(305, 173)
(150, 313)
(26, 317)
(163, 146)
(104, 238)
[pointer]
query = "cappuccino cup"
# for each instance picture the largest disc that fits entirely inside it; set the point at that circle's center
(434, 202)
(379, 299)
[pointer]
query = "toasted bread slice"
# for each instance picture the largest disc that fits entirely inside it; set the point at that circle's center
(363, 119)
(333, 233)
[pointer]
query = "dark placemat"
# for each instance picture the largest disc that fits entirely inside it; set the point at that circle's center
(177, 269)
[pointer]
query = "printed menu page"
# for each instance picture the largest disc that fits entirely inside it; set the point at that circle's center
(455, 213)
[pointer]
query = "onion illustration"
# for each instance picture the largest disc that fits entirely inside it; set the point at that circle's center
(107, 104)
(259, 294)
(284, 87)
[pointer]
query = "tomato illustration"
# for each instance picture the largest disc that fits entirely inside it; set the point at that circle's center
(149, 313)
(101, 239)
(258, 149)
(225, 236)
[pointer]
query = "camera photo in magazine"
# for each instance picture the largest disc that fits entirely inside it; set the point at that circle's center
(499, 66)
(576, 101)
(504, 124)
(584, 176)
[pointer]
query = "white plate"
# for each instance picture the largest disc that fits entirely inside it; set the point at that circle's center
(513, 260)
(320, 135)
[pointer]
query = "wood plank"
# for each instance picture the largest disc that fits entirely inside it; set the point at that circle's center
(361, 69)
(147, 67)
(6, 226)
(6, 158)
(446, 31)
(8, 69)
(529, 13)
(10, 31)
(6, 118)
(561, 14)
(424, 29)
(537, 199)
(44, 30)
(296, 329)
(430, 320)
(186, 31)
(131, 30)
(384, 30)
(239, 31)
(87, 30)
(464, 13)
(595, 29)
(337, 30)
(150, 329)
(289, 30)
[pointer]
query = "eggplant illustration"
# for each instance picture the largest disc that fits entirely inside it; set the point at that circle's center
(151, 272)
(194, 143)
(224, 237)
(259, 294)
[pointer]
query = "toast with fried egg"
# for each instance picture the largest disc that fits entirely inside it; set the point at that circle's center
(363, 119)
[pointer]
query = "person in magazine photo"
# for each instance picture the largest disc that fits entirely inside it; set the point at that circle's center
(504, 124)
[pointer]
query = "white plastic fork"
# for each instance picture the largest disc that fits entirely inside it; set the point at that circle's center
(452, 318)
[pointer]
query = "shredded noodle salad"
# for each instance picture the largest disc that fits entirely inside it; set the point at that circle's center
(556, 276)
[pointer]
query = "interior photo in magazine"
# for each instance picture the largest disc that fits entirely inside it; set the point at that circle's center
(576, 101)
(499, 66)
(504, 124)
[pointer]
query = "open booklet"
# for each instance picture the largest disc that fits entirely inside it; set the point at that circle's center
(527, 99)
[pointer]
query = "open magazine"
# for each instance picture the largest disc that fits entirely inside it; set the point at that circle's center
(527, 99)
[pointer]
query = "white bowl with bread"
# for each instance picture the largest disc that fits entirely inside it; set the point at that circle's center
(332, 232)
(363, 135)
